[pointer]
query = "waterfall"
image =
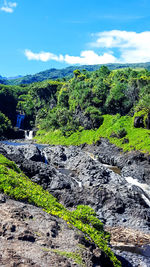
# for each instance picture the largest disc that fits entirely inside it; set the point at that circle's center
(145, 188)
(20, 119)
(45, 157)
(28, 135)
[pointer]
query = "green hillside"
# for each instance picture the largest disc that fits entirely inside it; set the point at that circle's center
(66, 72)
(90, 105)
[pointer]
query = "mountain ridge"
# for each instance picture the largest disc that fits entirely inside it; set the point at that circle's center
(55, 74)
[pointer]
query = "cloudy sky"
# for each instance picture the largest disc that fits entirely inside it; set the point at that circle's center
(40, 34)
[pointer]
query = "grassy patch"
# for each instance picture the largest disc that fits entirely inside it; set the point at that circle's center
(75, 256)
(112, 128)
(15, 184)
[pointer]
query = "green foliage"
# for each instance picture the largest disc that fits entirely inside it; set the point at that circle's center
(144, 101)
(63, 97)
(117, 101)
(8, 100)
(76, 73)
(119, 133)
(75, 256)
(88, 216)
(15, 184)
(79, 102)
(138, 137)
(94, 114)
(5, 124)
(101, 92)
(38, 99)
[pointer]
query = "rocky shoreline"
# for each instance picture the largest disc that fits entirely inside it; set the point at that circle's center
(115, 184)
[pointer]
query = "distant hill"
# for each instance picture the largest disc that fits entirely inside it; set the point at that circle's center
(3, 80)
(54, 74)
(14, 78)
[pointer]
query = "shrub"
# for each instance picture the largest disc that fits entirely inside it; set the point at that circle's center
(5, 124)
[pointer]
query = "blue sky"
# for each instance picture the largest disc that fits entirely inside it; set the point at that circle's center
(43, 34)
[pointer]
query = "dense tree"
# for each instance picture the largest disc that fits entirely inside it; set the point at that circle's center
(79, 102)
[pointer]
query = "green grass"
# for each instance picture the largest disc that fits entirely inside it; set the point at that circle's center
(138, 138)
(15, 184)
(75, 256)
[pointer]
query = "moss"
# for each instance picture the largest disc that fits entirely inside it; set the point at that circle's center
(15, 184)
(9, 164)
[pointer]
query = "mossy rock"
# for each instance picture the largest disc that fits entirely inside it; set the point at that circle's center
(141, 119)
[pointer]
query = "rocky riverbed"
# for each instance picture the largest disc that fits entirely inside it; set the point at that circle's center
(114, 183)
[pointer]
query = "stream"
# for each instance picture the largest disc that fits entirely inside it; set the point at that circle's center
(121, 200)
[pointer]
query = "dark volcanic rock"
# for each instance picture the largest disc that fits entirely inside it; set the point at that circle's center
(79, 175)
(19, 153)
(45, 175)
(148, 121)
(139, 122)
(114, 183)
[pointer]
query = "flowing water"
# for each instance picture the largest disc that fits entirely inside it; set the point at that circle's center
(72, 174)
(28, 135)
(20, 119)
(145, 188)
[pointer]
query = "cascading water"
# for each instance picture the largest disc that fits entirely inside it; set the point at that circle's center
(45, 157)
(20, 119)
(28, 135)
(145, 188)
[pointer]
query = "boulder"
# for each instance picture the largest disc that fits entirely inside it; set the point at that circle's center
(148, 121)
(139, 121)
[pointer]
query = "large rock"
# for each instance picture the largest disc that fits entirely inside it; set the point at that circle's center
(20, 152)
(139, 122)
(31, 237)
(148, 121)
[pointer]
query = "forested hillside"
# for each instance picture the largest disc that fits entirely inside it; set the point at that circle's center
(83, 100)
(81, 103)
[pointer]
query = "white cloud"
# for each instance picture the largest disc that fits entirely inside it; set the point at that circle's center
(88, 57)
(42, 56)
(8, 6)
(117, 46)
(133, 47)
